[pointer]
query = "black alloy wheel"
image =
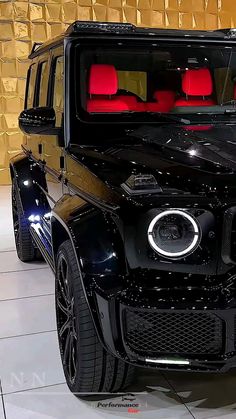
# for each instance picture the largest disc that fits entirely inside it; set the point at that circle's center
(66, 320)
(24, 245)
(15, 216)
(88, 367)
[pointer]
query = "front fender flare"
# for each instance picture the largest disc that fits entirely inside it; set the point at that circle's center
(94, 235)
(31, 197)
(98, 248)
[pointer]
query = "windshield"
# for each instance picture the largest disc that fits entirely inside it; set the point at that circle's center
(164, 79)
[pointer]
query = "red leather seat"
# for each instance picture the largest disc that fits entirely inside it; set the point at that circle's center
(106, 105)
(133, 103)
(165, 100)
(197, 85)
(102, 88)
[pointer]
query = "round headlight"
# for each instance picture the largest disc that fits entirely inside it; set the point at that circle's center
(174, 233)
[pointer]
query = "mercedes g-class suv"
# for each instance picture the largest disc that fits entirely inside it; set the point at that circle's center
(126, 185)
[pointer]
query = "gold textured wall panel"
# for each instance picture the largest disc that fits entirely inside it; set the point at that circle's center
(24, 22)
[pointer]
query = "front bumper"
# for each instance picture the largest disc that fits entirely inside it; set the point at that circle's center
(192, 339)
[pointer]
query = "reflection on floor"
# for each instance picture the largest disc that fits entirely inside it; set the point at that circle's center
(32, 380)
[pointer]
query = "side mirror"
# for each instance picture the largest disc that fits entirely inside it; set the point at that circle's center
(38, 121)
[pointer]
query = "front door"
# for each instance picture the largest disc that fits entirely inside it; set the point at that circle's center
(51, 145)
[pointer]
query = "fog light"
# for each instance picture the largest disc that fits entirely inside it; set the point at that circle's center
(168, 361)
(174, 233)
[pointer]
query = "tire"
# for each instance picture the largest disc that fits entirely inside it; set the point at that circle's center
(88, 368)
(24, 245)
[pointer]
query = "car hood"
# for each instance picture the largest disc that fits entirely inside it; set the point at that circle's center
(195, 160)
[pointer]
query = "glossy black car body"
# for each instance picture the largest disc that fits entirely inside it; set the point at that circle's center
(148, 310)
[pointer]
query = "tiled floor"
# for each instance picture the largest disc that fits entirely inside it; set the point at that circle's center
(32, 381)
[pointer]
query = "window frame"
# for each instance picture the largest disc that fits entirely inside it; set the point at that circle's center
(38, 84)
(29, 72)
(52, 79)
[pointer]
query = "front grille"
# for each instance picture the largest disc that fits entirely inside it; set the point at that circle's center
(165, 332)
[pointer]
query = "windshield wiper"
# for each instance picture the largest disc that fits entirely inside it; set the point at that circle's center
(230, 111)
(170, 117)
(229, 102)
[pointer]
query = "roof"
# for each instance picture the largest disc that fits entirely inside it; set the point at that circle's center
(92, 28)
(127, 28)
(100, 27)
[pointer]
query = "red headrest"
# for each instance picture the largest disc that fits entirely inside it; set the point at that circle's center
(197, 82)
(102, 80)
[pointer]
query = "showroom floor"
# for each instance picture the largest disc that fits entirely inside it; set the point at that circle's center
(32, 381)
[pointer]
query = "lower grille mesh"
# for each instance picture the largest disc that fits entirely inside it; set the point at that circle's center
(162, 332)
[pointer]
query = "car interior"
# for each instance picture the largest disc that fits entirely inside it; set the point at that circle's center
(159, 81)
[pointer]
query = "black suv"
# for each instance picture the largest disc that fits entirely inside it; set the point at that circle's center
(126, 186)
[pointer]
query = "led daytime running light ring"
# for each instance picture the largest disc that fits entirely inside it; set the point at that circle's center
(175, 254)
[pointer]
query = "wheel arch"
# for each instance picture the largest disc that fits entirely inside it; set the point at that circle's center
(32, 199)
(97, 244)
(59, 234)
(95, 238)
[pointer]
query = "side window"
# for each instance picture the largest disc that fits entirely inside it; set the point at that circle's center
(58, 91)
(42, 84)
(31, 86)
